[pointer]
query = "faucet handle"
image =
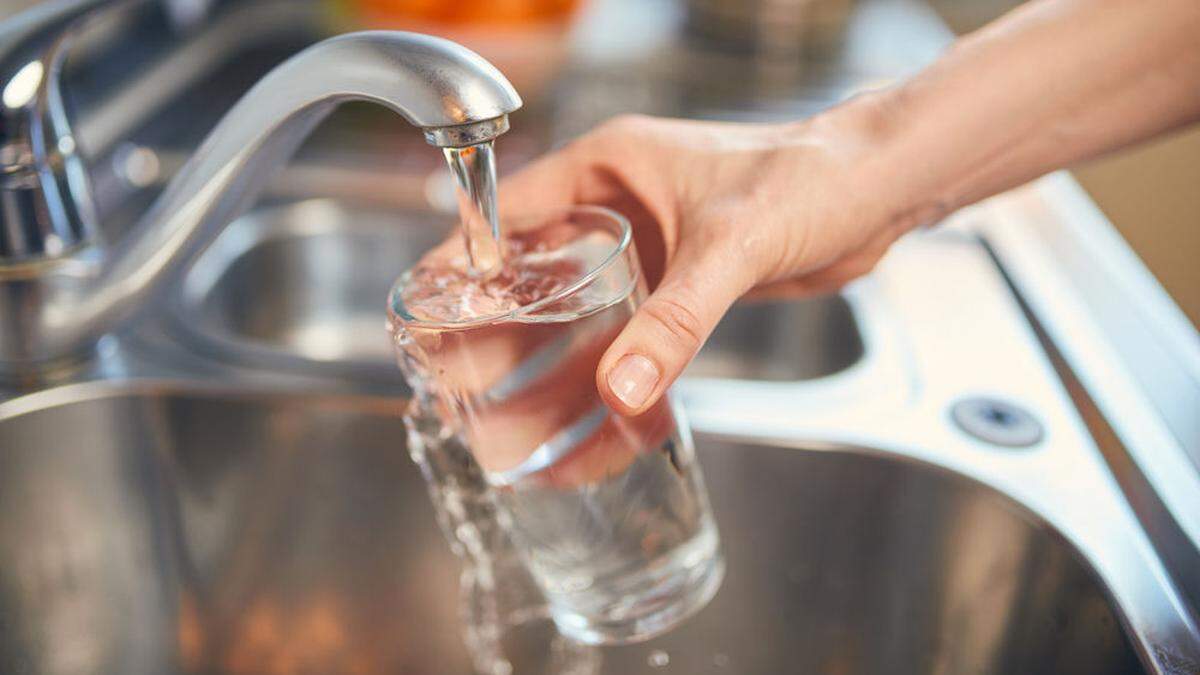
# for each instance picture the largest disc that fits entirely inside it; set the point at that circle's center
(45, 198)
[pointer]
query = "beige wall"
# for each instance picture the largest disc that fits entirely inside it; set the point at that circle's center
(1151, 193)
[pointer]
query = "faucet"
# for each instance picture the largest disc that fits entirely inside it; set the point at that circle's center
(61, 288)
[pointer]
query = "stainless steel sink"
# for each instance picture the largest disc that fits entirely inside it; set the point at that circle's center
(301, 286)
(782, 341)
(160, 529)
(164, 529)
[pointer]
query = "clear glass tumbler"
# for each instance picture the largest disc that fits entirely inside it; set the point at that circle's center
(609, 513)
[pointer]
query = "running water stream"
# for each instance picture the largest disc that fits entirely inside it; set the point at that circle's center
(474, 169)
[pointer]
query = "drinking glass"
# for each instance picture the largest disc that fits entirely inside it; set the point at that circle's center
(609, 513)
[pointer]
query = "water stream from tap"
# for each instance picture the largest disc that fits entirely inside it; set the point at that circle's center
(474, 169)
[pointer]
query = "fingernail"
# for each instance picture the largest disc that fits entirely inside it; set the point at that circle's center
(633, 379)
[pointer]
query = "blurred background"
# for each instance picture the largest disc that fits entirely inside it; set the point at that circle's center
(577, 62)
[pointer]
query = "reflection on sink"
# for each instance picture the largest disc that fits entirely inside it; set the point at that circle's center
(303, 286)
(185, 533)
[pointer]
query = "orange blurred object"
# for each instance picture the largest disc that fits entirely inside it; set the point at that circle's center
(525, 39)
(466, 12)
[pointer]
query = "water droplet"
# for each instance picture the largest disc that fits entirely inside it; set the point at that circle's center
(720, 660)
(658, 659)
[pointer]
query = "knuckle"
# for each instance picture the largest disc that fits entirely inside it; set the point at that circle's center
(678, 320)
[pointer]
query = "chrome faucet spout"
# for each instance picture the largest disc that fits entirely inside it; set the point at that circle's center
(56, 307)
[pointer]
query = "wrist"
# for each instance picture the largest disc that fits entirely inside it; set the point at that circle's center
(881, 137)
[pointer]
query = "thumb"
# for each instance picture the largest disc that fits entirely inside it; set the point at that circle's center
(669, 328)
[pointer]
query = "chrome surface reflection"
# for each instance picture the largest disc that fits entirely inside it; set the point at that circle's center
(173, 532)
(59, 306)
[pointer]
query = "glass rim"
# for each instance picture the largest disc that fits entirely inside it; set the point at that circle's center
(395, 304)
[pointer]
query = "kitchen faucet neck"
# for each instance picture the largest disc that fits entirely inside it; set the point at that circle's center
(456, 97)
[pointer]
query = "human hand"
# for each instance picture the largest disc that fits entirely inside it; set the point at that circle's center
(719, 210)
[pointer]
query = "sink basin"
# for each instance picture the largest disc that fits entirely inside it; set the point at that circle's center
(781, 341)
(302, 287)
(172, 531)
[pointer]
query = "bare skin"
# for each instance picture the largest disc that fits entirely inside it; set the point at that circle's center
(720, 210)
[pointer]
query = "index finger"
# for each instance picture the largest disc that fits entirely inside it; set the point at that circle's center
(548, 183)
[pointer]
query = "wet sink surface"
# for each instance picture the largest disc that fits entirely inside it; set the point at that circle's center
(302, 286)
(196, 533)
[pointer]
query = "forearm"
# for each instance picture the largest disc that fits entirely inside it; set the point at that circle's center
(1051, 84)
